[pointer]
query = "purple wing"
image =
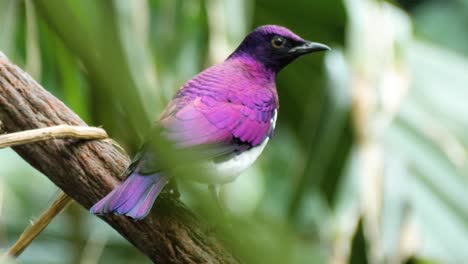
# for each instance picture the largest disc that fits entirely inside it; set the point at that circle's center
(223, 106)
(222, 121)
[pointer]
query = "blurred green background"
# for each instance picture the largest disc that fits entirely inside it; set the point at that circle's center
(369, 160)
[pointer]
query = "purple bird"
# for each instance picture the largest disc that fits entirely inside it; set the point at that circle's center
(228, 111)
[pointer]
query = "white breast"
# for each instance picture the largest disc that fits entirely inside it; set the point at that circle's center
(228, 170)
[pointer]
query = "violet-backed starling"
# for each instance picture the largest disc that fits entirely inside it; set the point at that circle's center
(229, 110)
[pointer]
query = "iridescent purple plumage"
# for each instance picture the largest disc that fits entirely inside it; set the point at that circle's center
(235, 99)
(230, 107)
(134, 197)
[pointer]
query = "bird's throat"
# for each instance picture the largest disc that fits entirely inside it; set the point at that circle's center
(252, 67)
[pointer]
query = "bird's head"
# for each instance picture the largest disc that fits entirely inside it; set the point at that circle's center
(275, 47)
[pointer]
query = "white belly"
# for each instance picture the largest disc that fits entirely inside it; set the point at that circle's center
(228, 170)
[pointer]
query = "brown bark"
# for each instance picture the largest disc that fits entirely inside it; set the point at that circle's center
(88, 170)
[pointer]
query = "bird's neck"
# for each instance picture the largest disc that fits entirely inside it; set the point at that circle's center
(253, 67)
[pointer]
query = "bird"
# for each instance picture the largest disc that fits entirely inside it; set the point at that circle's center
(227, 112)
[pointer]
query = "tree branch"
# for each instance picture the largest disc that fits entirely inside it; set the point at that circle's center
(40, 134)
(88, 170)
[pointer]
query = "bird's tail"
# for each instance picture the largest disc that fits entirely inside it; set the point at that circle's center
(133, 198)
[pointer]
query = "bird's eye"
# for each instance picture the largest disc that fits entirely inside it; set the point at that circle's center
(278, 42)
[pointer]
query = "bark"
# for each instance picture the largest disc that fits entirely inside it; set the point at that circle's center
(88, 170)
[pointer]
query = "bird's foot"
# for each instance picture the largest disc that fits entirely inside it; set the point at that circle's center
(214, 191)
(223, 221)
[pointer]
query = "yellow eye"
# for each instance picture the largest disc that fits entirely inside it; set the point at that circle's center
(278, 42)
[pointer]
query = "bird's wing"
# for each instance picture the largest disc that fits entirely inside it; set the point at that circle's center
(216, 126)
(207, 120)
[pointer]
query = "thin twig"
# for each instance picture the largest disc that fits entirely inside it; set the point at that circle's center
(36, 228)
(35, 135)
(61, 131)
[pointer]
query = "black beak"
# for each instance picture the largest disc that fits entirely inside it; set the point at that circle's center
(308, 47)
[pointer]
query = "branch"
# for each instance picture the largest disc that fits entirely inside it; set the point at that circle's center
(40, 134)
(37, 227)
(88, 170)
(55, 132)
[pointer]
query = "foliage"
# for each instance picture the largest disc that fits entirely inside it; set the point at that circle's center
(369, 160)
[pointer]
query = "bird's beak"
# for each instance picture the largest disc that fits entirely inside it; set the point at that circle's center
(308, 47)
